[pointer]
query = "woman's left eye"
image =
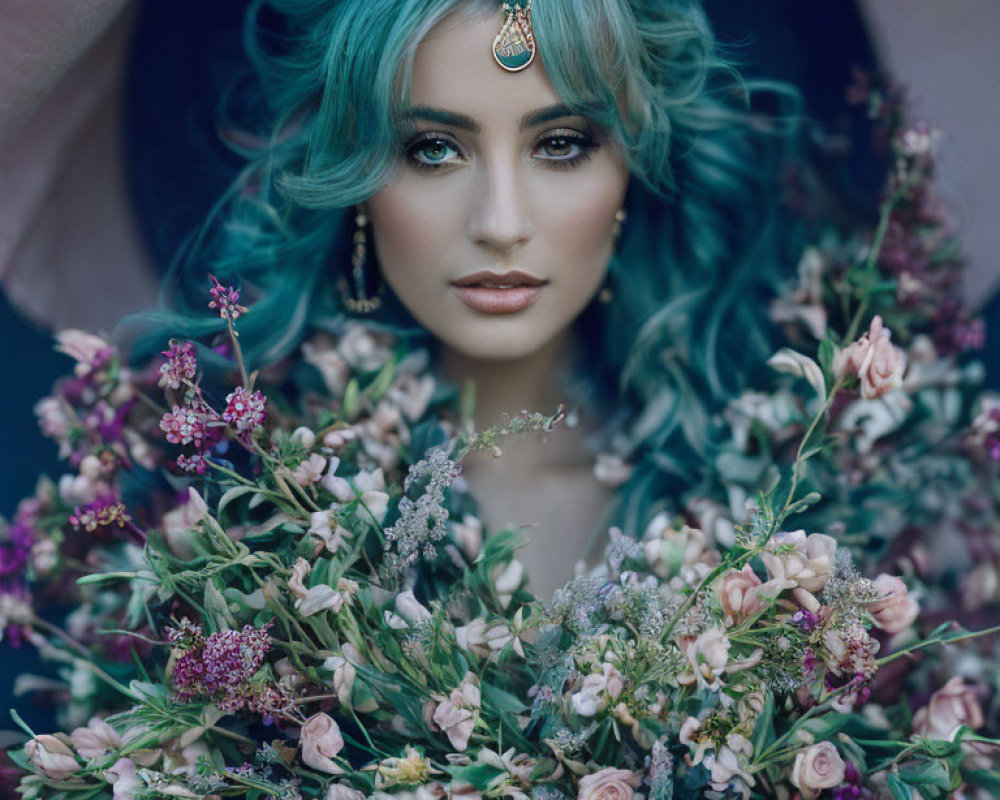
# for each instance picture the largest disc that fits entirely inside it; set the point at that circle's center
(565, 149)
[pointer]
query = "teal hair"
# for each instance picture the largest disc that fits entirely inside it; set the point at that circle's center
(703, 243)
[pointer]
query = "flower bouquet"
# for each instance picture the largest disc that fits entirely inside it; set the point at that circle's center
(287, 593)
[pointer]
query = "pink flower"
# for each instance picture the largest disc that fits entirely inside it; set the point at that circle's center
(608, 784)
(320, 742)
(181, 523)
(90, 352)
(738, 593)
(456, 713)
(953, 705)
(226, 299)
(123, 779)
(51, 757)
(96, 739)
(245, 412)
(820, 767)
(896, 610)
(310, 470)
(185, 425)
(180, 366)
(875, 360)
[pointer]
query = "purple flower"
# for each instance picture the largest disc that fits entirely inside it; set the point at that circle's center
(102, 515)
(180, 366)
(189, 425)
(245, 412)
(226, 300)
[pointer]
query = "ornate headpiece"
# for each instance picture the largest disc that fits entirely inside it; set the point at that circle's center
(514, 46)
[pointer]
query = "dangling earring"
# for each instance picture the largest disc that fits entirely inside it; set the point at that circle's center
(607, 294)
(358, 301)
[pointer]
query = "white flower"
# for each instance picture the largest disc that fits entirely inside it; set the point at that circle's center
(792, 362)
(469, 535)
(296, 582)
(310, 470)
(507, 580)
(180, 524)
(410, 609)
(338, 791)
(612, 470)
(344, 675)
(320, 742)
(123, 779)
(472, 637)
(820, 767)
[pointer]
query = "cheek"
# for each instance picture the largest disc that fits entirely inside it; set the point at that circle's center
(408, 230)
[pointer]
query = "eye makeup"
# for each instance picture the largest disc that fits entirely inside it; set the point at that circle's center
(429, 150)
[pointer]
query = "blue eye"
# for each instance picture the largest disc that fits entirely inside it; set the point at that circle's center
(432, 153)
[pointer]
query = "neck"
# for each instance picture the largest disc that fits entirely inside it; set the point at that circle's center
(533, 383)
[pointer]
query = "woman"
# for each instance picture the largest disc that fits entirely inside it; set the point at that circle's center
(626, 198)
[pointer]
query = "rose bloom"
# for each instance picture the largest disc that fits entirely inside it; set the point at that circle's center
(877, 362)
(820, 767)
(805, 563)
(738, 593)
(608, 784)
(953, 705)
(896, 610)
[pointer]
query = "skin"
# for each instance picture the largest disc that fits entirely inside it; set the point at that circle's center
(506, 198)
(501, 198)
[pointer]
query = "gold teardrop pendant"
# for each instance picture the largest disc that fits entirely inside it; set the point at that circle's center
(514, 46)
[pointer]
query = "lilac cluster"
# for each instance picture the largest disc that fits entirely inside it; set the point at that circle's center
(220, 666)
(226, 300)
(180, 366)
(245, 412)
(423, 522)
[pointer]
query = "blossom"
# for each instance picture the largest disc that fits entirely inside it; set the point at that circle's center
(953, 705)
(101, 515)
(123, 779)
(708, 655)
(896, 609)
(456, 714)
(472, 637)
(727, 764)
(95, 740)
(738, 593)
(596, 689)
(507, 580)
(611, 469)
(221, 665)
(669, 549)
(89, 351)
(226, 300)
(805, 563)
(608, 784)
(344, 675)
(875, 360)
(339, 791)
(245, 412)
(179, 522)
(180, 366)
(469, 535)
(321, 741)
(310, 470)
(820, 767)
(324, 597)
(186, 425)
(52, 757)
(411, 609)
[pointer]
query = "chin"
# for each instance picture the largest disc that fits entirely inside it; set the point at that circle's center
(496, 344)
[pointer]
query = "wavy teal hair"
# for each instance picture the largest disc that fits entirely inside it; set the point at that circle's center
(703, 244)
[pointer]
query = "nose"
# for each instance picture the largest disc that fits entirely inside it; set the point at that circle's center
(499, 217)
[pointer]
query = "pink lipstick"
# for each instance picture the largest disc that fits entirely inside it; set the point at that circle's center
(499, 293)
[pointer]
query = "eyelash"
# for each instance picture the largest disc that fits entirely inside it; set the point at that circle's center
(585, 144)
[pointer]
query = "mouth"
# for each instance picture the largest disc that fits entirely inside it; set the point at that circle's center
(499, 293)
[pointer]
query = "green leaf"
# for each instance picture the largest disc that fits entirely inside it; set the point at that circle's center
(899, 790)
(926, 773)
(352, 400)
(233, 494)
(763, 732)
(503, 701)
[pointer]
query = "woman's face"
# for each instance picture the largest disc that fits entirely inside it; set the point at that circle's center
(497, 230)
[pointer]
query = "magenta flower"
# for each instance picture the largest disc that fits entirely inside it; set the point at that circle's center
(186, 425)
(220, 666)
(103, 514)
(194, 464)
(181, 365)
(226, 300)
(245, 412)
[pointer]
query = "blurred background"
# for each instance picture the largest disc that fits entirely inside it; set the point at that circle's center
(105, 105)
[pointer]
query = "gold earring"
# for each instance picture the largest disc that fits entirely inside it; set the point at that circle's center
(358, 301)
(607, 294)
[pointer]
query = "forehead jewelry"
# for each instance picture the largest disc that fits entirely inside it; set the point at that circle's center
(514, 46)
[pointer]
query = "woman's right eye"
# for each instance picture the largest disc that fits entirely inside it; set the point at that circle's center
(432, 152)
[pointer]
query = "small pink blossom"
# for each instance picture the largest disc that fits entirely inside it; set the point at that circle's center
(89, 351)
(310, 470)
(953, 705)
(185, 425)
(820, 767)
(321, 742)
(52, 757)
(896, 609)
(608, 784)
(95, 740)
(875, 360)
(245, 412)
(738, 593)
(180, 366)
(456, 714)
(226, 300)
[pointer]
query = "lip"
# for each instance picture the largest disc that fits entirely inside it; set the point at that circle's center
(499, 292)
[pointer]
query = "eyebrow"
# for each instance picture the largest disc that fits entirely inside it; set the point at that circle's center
(529, 120)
